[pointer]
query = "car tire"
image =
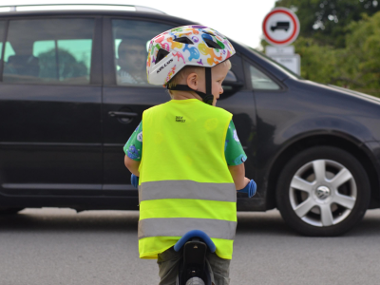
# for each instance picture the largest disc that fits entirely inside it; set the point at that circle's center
(10, 211)
(323, 191)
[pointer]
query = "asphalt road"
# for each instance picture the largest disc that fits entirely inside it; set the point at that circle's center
(58, 246)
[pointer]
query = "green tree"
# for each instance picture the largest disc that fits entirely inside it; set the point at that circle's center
(357, 66)
(326, 20)
(318, 63)
(361, 67)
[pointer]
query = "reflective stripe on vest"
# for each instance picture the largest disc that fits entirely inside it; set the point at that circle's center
(180, 226)
(184, 181)
(187, 189)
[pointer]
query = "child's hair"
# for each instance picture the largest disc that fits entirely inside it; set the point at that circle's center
(184, 72)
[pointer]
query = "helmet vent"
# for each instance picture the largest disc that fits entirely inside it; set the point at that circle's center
(211, 43)
(161, 54)
(208, 33)
(183, 40)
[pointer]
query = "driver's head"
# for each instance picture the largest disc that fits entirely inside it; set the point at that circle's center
(132, 55)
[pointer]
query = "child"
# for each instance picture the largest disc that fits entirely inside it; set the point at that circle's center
(191, 158)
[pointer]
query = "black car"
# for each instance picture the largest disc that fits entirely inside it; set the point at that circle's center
(67, 108)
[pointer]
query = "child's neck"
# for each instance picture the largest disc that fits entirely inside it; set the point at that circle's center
(184, 95)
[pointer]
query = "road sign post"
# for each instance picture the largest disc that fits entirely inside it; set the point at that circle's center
(281, 28)
(291, 62)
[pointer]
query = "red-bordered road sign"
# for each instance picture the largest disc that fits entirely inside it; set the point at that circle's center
(281, 27)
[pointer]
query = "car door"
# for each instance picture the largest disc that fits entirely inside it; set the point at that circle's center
(50, 101)
(238, 99)
(126, 92)
(268, 94)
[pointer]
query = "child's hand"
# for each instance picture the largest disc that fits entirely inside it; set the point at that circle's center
(250, 188)
(246, 181)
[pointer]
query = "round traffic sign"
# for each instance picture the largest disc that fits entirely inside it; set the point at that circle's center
(281, 27)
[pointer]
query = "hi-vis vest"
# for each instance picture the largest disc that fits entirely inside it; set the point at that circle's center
(184, 180)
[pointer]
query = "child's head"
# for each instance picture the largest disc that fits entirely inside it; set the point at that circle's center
(194, 77)
(190, 60)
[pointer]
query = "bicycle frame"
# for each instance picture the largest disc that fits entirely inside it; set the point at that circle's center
(194, 245)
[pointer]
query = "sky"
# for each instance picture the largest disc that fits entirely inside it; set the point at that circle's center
(240, 20)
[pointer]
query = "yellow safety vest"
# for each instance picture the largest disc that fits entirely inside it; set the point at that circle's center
(184, 181)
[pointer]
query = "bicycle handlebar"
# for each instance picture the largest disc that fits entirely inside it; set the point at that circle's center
(250, 189)
(135, 180)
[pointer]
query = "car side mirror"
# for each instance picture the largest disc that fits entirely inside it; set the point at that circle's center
(231, 85)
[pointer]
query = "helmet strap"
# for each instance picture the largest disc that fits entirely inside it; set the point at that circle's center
(206, 97)
(208, 81)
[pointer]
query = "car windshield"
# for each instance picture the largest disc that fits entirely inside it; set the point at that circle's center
(279, 66)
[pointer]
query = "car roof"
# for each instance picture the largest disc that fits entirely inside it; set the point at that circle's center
(77, 6)
(11, 11)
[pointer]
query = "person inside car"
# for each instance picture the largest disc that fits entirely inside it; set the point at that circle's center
(23, 63)
(132, 57)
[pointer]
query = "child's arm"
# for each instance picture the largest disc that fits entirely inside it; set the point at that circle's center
(238, 175)
(133, 151)
(132, 165)
(235, 157)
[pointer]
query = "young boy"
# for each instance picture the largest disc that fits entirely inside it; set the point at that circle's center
(186, 152)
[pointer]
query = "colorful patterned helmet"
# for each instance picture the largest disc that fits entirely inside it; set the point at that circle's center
(183, 46)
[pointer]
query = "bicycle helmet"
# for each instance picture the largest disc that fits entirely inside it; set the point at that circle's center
(193, 45)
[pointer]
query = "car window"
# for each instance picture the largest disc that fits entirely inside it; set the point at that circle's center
(260, 81)
(49, 51)
(131, 39)
(9, 50)
(2, 26)
(273, 62)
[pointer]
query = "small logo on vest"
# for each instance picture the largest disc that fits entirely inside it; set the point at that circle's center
(179, 119)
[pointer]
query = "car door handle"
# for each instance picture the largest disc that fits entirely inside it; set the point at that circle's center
(122, 114)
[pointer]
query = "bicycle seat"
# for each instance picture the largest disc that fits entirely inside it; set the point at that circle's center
(195, 234)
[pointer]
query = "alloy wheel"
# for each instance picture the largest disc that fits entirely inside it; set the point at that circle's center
(322, 192)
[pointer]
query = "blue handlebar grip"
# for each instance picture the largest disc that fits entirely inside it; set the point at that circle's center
(253, 188)
(135, 180)
(250, 189)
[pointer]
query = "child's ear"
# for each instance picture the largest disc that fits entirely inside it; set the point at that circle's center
(193, 80)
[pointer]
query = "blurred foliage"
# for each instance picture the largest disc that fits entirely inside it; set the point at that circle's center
(353, 64)
(326, 20)
(362, 55)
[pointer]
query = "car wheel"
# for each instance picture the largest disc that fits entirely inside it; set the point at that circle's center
(323, 191)
(10, 211)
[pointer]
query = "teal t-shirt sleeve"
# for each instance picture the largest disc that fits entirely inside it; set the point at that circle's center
(233, 150)
(133, 147)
